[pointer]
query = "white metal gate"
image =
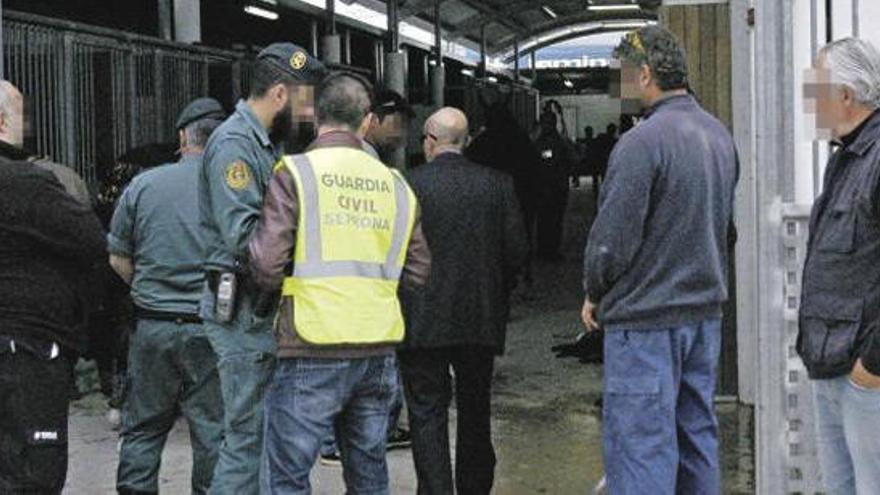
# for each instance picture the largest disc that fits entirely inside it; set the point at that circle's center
(782, 175)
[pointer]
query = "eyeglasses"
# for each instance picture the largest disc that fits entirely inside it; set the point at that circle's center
(428, 135)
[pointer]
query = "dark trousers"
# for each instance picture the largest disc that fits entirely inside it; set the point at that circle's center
(428, 387)
(34, 391)
(551, 217)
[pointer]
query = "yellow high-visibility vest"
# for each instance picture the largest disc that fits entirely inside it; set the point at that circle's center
(356, 217)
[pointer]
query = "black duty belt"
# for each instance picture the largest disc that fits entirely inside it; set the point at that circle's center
(179, 318)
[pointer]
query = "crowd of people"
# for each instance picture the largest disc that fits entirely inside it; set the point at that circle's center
(288, 305)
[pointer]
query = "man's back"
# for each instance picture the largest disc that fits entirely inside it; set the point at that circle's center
(157, 220)
(672, 179)
(472, 222)
(48, 241)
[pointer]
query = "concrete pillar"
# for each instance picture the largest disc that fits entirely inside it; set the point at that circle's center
(331, 49)
(188, 21)
(395, 79)
(438, 85)
(165, 28)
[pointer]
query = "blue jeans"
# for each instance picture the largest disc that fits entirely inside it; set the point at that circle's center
(660, 430)
(309, 398)
(328, 446)
(848, 436)
(245, 349)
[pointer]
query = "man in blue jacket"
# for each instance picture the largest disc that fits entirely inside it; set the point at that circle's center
(656, 265)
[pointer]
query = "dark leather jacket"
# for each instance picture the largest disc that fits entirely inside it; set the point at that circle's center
(840, 302)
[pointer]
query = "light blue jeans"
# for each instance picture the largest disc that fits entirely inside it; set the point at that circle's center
(848, 436)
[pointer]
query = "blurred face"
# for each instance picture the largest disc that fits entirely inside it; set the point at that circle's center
(12, 120)
(295, 114)
(389, 133)
(829, 102)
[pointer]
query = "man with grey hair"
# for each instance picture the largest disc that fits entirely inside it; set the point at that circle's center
(656, 265)
(156, 244)
(838, 338)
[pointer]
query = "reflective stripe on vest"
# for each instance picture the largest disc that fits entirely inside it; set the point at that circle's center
(345, 198)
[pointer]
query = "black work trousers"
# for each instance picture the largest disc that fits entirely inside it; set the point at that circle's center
(34, 396)
(428, 387)
(551, 218)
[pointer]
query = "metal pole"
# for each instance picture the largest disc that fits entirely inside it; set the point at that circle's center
(187, 21)
(165, 28)
(331, 16)
(516, 60)
(348, 47)
(438, 34)
(533, 66)
(331, 45)
(314, 38)
(483, 65)
(393, 26)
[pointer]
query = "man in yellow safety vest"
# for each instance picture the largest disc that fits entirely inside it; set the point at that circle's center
(350, 229)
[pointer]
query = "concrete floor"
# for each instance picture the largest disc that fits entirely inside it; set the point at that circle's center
(546, 429)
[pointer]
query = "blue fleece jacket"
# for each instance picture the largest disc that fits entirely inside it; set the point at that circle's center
(657, 252)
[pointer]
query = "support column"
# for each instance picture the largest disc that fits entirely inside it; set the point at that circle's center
(516, 61)
(395, 71)
(438, 72)
(313, 39)
(483, 64)
(347, 44)
(165, 27)
(533, 65)
(331, 44)
(188, 21)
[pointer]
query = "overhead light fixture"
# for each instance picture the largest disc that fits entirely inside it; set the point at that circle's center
(467, 72)
(547, 10)
(270, 2)
(568, 84)
(600, 8)
(261, 12)
(492, 79)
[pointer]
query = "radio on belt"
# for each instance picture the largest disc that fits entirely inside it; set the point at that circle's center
(224, 309)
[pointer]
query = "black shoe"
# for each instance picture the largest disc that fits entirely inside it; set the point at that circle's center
(332, 460)
(399, 439)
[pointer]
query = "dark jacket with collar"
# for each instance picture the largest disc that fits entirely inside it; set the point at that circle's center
(48, 243)
(473, 224)
(657, 253)
(840, 301)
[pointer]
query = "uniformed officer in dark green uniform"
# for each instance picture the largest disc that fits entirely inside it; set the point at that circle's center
(238, 164)
(156, 245)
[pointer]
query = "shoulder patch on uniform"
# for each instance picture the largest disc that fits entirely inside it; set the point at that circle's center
(238, 175)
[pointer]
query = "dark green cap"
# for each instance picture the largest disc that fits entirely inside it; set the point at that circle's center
(294, 61)
(203, 108)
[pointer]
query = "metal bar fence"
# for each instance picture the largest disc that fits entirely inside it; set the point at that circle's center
(95, 93)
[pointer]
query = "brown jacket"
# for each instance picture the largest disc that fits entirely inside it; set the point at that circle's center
(271, 251)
